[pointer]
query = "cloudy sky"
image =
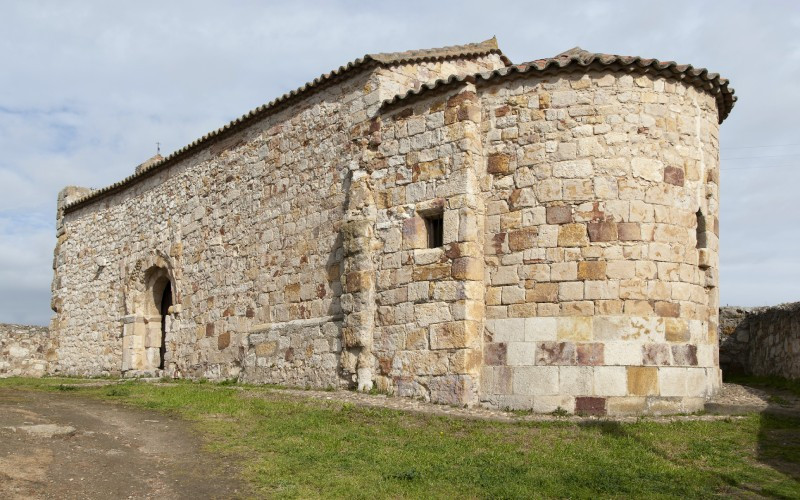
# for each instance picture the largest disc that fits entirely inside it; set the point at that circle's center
(88, 88)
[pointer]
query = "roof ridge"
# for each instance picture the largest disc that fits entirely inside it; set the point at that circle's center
(578, 57)
(469, 50)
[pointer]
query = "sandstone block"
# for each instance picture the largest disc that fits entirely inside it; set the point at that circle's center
(498, 163)
(467, 268)
(576, 328)
(454, 335)
(522, 239)
(592, 270)
(572, 235)
(542, 292)
(676, 330)
(642, 380)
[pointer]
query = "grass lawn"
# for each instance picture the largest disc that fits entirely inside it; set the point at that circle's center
(296, 447)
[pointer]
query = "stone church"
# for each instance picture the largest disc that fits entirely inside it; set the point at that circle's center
(439, 224)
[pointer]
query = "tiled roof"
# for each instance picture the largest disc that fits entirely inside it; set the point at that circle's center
(579, 60)
(369, 60)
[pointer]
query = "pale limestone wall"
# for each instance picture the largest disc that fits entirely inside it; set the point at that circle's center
(248, 232)
(26, 351)
(597, 298)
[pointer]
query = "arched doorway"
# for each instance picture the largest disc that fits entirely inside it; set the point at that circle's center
(146, 332)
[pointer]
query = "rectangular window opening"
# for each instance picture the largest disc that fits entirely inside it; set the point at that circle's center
(434, 225)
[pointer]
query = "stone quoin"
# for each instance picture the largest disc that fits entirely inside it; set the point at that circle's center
(438, 223)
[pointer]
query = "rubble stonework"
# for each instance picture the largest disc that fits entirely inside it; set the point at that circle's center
(578, 199)
(26, 351)
(761, 341)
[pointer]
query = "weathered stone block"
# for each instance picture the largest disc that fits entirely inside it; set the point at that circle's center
(576, 328)
(559, 214)
(555, 353)
(522, 239)
(454, 335)
(684, 355)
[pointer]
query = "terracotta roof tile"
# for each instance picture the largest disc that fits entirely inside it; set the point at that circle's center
(579, 60)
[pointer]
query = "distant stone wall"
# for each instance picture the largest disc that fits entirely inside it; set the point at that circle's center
(760, 340)
(26, 351)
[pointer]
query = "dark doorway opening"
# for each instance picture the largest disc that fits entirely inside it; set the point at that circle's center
(166, 302)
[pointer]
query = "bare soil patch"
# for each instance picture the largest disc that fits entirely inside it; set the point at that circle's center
(66, 446)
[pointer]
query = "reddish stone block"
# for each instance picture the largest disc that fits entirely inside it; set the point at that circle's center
(684, 355)
(560, 214)
(495, 354)
(629, 231)
(668, 309)
(590, 354)
(209, 329)
(590, 406)
(603, 231)
(674, 175)
(555, 353)
(224, 340)
(542, 292)
(655, 354)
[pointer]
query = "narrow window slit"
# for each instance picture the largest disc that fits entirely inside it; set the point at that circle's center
(701, 230)
(434, 225)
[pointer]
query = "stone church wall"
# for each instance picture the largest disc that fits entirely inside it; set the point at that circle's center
(248, 231)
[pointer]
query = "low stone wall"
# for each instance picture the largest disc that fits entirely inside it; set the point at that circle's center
(27, 351)
(760, 340)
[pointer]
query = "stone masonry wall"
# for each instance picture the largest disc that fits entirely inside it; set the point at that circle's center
(761, 341)
(26, 351)
(248, 232)
(599, 297)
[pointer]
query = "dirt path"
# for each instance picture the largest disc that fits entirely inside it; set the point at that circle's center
(63, 446)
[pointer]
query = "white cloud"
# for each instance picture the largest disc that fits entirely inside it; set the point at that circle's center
(88, 88)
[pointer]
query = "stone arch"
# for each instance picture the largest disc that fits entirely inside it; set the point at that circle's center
(151, 304)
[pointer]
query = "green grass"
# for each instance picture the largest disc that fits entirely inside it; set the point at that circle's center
(299, 448)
